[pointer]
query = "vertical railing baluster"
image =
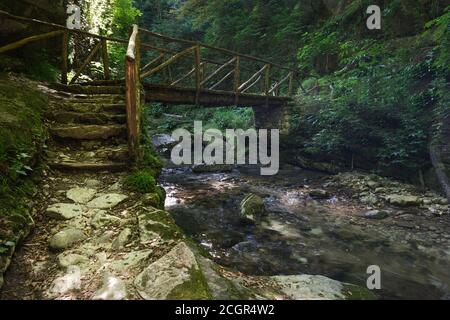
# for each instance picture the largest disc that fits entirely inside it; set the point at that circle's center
(105, 58)
(198, 78)
(237, 79)
(64, 57)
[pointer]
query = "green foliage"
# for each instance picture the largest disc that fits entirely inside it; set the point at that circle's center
(124, 16)
(141, 181)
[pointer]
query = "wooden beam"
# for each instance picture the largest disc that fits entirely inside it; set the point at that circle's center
(280, 83)
(105, 58)
(212, 75)
(21, 43)
(237, 78)
(167, 63)
(148, 65)
(291, 84)
(198, 76)
(85, 63)
(267, 84)
(64, 57)
(183, 77)
(251, 85)
(243, 86)
(222, 80)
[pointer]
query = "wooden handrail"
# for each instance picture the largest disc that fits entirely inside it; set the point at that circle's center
(31, 39)
(167, 63)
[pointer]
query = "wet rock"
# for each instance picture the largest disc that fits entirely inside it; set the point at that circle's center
(319, 194)
(101, 220)
(64, 211)
(122, 239)
(376, 214)
(151, 199)
(113, 289)
(66, 238)
(405, 224)
(68, 282)
(369, 199)
(204, 168)
(107, 201)
(403, 200)
(252, 207)
(81, 195)
(175, 276)
(309, 287)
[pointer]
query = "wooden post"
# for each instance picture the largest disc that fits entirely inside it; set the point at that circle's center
(64, 57)
(237, 78)
(267, 84)
(198, 75)
(291, 84)
(105, 59)
(132, 95)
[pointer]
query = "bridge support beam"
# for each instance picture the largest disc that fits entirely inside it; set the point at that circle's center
(273, 117)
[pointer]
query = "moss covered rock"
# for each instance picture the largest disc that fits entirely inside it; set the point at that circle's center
(252, 207)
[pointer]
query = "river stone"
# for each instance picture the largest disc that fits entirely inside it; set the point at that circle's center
(113, 289)
(107, 201)
(403, 200)
(64, 211)
(158, 280)
(68, 282)
(122, 239)
(66, 238)
(70, 259)
(312, 287)
(101, 219)
(81, 195)
(252, 207)
(206, 168)
(319, 194)
(376, 214)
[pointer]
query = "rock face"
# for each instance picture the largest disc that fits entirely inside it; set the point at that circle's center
(252, 207)
(107, 201)
(403, 200)
(66, 238)
(64, 211)
(81, 195)
(175, 276)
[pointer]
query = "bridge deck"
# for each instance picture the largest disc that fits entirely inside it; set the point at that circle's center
(208, 98)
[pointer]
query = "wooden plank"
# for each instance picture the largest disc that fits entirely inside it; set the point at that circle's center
(252, 85)
(64, 57)
(85, 63)
(267, 84)
(167, 63)
(105, 58)
(21, 43)
(212, 75)
(198, 77)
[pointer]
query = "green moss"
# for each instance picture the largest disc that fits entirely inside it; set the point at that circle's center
(196, 288)
(353, 292)
(162, 223)
(142, 181)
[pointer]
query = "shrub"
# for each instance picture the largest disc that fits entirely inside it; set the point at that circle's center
(141, 181)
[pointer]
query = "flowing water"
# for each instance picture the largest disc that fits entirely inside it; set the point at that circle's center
(301, 235)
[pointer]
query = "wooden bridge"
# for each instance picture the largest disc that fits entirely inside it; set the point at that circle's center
(160, 68)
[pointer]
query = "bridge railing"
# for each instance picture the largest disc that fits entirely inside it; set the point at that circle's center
(205, 68)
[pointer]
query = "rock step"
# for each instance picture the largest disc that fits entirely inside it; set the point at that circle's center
(89, 167)
(117, 108)
(102, 153)
(89, 132)
(89, 89)
(70, 117)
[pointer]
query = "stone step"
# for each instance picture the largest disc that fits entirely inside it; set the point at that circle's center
(89, 167)
(70, 117)
(88, 132)
(117, 108)
(78, 89)
(80, 154)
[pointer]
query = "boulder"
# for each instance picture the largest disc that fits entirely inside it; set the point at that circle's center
(68, 282)
(81, 195)
(66, 238)
(101, 220)
(107, 201)
(403, 200)
(252, 207)
(376, 214)
(64, 211)
(122, 239)
(71, 259)
(175, 276)
(319, 194)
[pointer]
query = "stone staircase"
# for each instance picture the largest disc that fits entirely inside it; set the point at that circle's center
(88, 128)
